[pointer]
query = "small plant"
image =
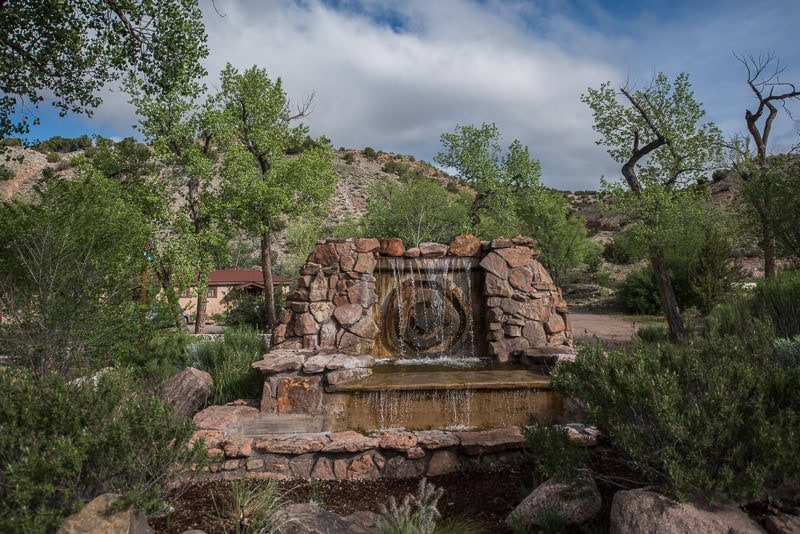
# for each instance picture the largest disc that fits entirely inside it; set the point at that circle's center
(369, 153)
(653, 334)
(349, 158)
(552, 452)
(6, 174)
(53, 157)
(779, 299)
(787, 351)
(416, 515)
(250, 507)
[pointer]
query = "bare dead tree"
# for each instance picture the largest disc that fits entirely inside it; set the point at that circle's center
(764, 80)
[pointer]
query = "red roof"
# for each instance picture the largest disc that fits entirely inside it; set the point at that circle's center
(242, 277)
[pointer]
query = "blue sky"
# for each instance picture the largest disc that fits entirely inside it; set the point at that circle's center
(396, 75)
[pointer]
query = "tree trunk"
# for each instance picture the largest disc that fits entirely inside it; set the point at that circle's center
(768, 246)
(200, 314)
(677, 330)
(266, 270)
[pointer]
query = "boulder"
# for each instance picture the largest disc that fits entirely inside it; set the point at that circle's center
(639, 510)
(307, 518)
(436, 439)
(94, 518)
(325, 255)
(188, 391)
(576, 503)
(465, 245)
(365, 263)
(521, 278)
(442, 462)
(396, 440)
(432, 250)
(501, 242)
(414, 252)
(237, 447)
(294, 443)
(392, 246)
(368, 244)
(496, 439)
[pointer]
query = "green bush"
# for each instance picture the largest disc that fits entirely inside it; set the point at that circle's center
(552, 452)
(639, 294)
(64, 144)
(415, 515)
(53, 157)
(614, 252)
(228, 363)
(653, 334)
(349, 158)
(6, 174)
(787, 351)
(369, 153)
(10, 141)
(778, 299)
(395, 167)
(65, 443)
(716, 416)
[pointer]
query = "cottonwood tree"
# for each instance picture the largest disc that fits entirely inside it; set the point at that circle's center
(262, 183)
(760, 189)
(180, 126)
(479, 161)
(69, 50)
(656, 134)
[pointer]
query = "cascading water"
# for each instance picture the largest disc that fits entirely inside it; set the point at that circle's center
(427, 308)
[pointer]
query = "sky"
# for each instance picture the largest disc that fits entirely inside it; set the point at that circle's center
(395, 75)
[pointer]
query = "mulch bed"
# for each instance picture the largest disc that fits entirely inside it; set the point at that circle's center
(483, 498)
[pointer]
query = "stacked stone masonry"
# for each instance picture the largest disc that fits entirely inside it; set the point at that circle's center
(526, 317)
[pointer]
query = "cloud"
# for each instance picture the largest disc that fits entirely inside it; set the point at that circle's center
(396, 75)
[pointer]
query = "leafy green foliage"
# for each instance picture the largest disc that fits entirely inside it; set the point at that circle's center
(653, 334)
(561, 237)
(417, 210)
(60, 144)
(72, 49)
(249, 506)
(552, 452)
(495, 174)
(615, 252)
(261, 185)
(228, 363)
(68, 261)
(712, 417)
(639, 294)
(107, 436)
(6, 174)
(369, 153)
(779, 300)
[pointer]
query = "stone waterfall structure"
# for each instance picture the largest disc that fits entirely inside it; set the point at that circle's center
(364, 296)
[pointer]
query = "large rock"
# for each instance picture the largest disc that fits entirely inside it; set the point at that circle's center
(295, 443)
(321, 311)
(364, 327)
(576, 503)
(350, 441)
(299, 395)
(436, 439)
(637, 511)
(362, 293)
(367, 244)
(392, 246)
(432, 250)
(188, 390)
(495, 264)
(465, 245)
(350, 361)
(496, 439)
(365, 263)
(497, 287)
(346, 376)
(305, 324)
(325, 255)
(306, 518)
(93, 518)
(516, 256)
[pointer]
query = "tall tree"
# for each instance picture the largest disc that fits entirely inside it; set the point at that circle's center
(770, 91)
(479, 160)
(656, 134)
(180, 128)
(262, 183)
(69, 50)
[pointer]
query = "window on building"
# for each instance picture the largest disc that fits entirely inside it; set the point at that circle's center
(185, 294)
(212, 292)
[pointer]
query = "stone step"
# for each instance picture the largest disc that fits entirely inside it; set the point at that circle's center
(446, 380)
(264, 424)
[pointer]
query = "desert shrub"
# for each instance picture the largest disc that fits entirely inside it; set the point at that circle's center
(395, 167)
(415, 515)
(10, 141)
(64, 443)
(787, 351)
(249, 506)
(709, 417)
(64, 144)
(778, 299)
(349, 158)
(653, 334)
(53, 157)
(6, 174)
(614, 252)
(638, 293)
(369, 153)
(228, 363)
(48, 173)
(551, 450)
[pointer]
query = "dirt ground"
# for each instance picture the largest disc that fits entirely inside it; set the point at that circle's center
(612, 330)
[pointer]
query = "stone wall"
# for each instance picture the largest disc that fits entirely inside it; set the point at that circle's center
(331, 309)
